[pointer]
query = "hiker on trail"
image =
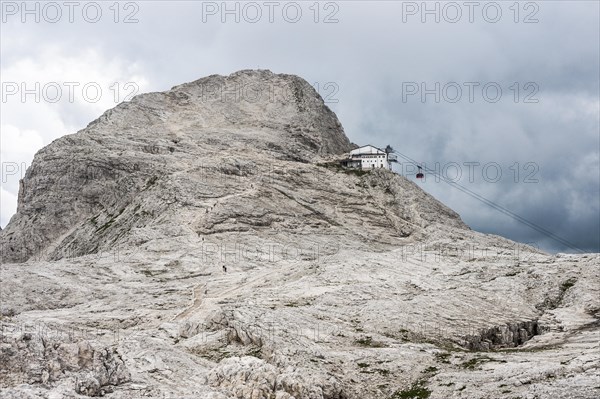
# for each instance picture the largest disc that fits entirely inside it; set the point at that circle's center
(225, 268)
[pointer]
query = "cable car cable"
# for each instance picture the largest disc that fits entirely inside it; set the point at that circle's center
(499, 208)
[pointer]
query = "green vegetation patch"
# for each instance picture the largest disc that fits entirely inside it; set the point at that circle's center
(417, 391)
(106, 225)
(94, 220)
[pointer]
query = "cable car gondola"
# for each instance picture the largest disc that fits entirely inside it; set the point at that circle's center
(420, 174)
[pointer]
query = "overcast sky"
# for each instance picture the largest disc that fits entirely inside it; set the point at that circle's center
(501, 97)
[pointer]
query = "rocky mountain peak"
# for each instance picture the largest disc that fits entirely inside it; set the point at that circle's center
(246, 152)
(192, 243)
(293, 117)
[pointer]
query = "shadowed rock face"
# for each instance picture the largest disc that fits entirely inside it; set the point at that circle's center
(201, 243)
(506, 336)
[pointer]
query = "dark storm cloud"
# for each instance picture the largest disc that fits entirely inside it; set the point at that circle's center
(556, 186)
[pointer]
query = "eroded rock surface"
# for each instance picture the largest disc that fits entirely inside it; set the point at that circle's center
(187, 245)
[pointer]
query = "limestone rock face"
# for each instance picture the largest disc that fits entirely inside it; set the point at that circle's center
(202, 243)
(249, 377)
(40, 357)
(197, 131)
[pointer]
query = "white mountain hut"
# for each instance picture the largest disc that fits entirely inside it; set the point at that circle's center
(369, 157)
